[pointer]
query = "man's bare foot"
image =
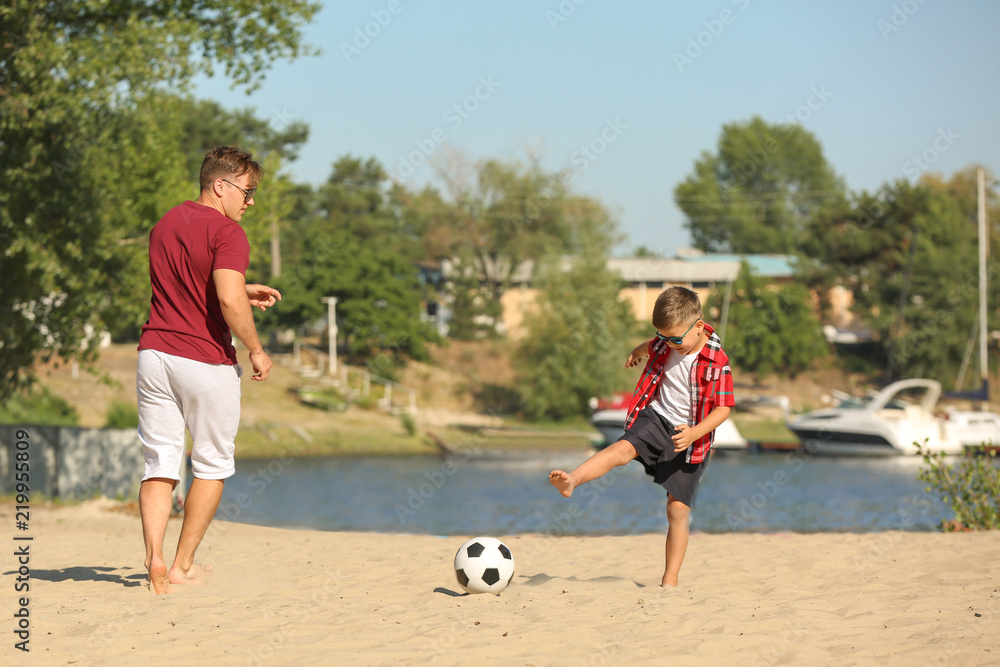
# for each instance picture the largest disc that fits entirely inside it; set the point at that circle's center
(159, 581)
(664, 583)
(198, 574)
(563, 481)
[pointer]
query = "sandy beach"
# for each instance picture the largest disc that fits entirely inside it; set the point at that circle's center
(301, 597)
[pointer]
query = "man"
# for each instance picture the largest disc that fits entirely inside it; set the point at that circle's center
(187, 374)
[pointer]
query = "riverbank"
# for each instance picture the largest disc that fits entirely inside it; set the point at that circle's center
(308, 597)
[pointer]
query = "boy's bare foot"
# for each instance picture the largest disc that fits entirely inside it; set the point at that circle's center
(563, 482)
(159, 581)
(198, 574)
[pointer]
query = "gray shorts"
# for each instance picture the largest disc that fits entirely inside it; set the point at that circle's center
(650, 436)
(175, 393)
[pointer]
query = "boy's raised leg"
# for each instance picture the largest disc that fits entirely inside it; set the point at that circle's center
(617, 454)
(678, 516)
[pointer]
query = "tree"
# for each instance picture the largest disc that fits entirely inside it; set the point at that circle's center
(503, 214)
(353, 245)
(909, 255)
(576, 340)
(770, 330)
(81, 163)
(758, 191)
(378, 296)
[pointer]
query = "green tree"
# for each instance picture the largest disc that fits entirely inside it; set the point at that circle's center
(770, 330)
(81, 162)
(503, 215)
(576, 340)
(354, 246)
(909, 255)
(758, 191)
(379, 303)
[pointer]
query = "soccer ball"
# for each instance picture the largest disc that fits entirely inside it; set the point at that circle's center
(484, 565)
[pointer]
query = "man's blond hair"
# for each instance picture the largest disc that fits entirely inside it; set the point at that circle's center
(229, 162)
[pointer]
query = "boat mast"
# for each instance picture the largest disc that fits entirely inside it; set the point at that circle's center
(983, 248)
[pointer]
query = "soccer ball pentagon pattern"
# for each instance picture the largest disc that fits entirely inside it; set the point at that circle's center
(484, 565)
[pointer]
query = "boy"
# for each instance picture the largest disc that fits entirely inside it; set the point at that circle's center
(684, 393)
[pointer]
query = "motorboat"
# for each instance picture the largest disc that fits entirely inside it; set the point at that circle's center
(892, 422)
(611, 423)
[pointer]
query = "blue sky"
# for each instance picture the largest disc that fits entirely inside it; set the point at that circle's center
(889, 87)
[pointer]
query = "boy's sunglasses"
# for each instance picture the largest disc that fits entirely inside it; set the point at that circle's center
(247, 194)
(677, 340)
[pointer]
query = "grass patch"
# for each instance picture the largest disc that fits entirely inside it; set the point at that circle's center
(756, 429)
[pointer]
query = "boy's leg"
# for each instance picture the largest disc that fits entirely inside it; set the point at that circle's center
(678, 515)
(155, 503)
(199, 507)
(617, 454)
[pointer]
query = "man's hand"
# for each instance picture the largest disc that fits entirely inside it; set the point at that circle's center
(262, 296)
(261, 365)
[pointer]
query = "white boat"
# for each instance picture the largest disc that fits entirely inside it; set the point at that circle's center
(889, 424)
(611, 424)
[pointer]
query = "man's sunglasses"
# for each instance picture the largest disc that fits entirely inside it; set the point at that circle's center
(677, 340)
(247, 194)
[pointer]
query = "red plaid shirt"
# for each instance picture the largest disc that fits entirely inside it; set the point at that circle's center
(711, 386)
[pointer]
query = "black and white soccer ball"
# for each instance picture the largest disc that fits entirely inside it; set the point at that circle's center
(484, 565)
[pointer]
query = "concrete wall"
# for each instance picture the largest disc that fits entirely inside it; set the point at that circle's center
(74, 463)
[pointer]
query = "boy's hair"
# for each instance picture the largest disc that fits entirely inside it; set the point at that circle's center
(229, 162)
(676, 305)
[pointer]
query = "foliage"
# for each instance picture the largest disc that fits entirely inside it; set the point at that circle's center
(83, 163)
(38, 406)
(757, 192)
(971, 487)
(503, 215)
(122, 414)
(577, 340)
(769, 330)
(352, 247)
(908, 253)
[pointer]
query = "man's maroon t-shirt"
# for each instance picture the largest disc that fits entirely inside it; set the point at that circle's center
(185, 318)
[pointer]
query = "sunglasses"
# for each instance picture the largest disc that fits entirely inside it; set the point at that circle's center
(677, 340)
(247, 194)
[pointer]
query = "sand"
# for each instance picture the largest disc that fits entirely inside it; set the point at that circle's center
(302, 597)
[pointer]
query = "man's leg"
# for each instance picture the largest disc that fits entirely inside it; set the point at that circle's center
(199, 507)
(678, 515)
(617, 454)
(154, 507)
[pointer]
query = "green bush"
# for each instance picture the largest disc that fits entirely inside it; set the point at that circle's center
(406, 419)
(971, 486)
(38, 406)
(122, 414)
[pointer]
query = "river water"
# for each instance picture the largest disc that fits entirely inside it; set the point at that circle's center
(462, 496)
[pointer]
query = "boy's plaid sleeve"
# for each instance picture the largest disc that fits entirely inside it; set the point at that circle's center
(724, 388)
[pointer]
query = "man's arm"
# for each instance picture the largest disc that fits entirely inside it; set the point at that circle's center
(235, 303)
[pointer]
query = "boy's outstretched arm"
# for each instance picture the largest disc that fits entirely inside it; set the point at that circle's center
(640, 351)
(686, 435)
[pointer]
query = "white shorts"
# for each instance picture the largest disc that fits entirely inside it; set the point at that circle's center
(174, 393)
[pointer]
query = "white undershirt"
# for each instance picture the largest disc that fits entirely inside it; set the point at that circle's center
(673, 400)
